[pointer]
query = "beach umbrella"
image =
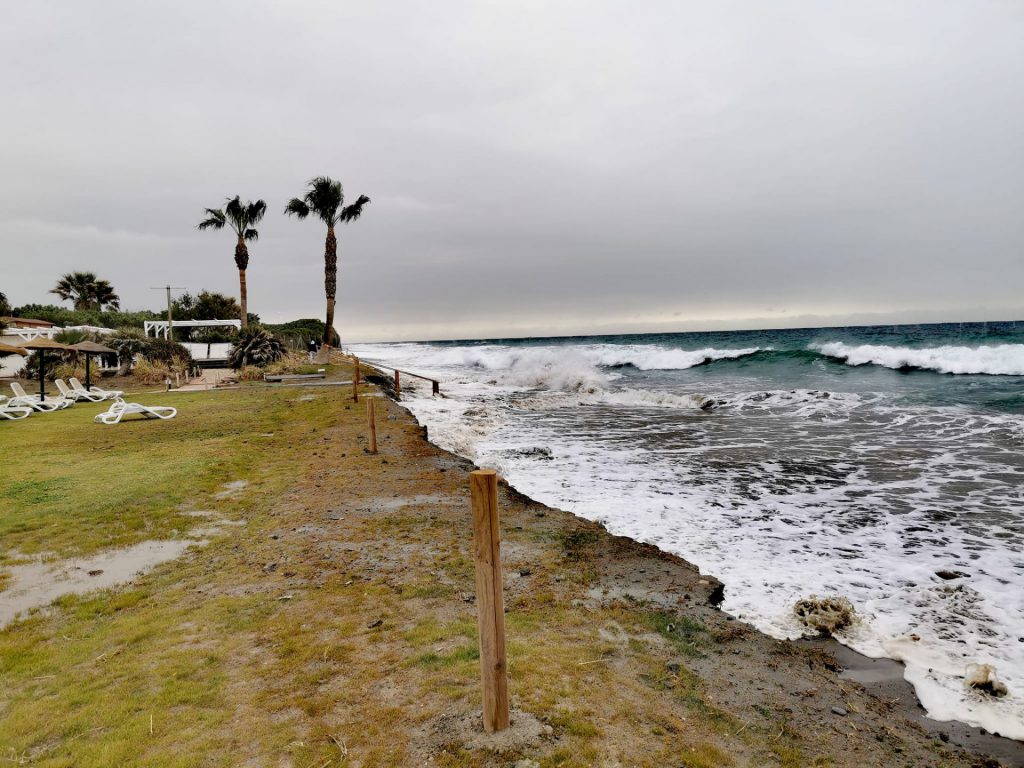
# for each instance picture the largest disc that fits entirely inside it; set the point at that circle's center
(7, 349)
(90, 348)
(40, 345)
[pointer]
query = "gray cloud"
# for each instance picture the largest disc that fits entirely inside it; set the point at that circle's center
(534, 167)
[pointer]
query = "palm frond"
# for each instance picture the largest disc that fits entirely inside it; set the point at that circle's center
(214, 220)
(324, 198)
(297, 207)
(235, 212)
(354, 211)
(254, 212)
(251, 234)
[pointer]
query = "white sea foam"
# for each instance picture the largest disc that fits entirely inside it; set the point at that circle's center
(1001, 359)
(780, 493)
(657, 358)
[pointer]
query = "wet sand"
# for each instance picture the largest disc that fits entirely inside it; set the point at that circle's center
(883, 678)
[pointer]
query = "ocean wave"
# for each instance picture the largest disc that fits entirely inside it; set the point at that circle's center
(999, 360)
(652, 358)
(563, 370)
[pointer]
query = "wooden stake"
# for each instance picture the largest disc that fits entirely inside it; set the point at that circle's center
(371, 425)
(398, 386)
(490, 602)
(355, 381)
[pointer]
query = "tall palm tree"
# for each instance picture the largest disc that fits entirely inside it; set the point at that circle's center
(241, 217)
(84, 291)
(326, 200)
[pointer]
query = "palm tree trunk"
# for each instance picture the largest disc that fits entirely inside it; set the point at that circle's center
(330, 280)
(242, 262)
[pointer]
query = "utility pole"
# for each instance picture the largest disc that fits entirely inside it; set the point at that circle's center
(170, 322)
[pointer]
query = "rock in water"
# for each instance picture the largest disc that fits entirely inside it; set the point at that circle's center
(982, 677)
(825, 615)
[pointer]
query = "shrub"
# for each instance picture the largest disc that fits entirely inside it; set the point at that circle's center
(249, 373)
(54, 361)
(149, 372)
(255, 346)
(128, 342)
(166, 352)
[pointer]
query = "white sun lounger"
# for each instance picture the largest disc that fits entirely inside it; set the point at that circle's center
(77, 394)
(119, 409)
(13, 412)
(23, 398)
(108, 394)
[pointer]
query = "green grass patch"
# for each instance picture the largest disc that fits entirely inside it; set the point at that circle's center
(77, 486)
(684, 633)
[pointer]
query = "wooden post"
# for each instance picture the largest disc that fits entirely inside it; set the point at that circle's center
(371, 425)
(436, 387)
(398, 386)
(355, 380)
(490, 603)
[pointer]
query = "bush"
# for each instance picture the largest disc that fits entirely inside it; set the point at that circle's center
(148, 372)
(54, 361)
(128, 342)
(255, 346)
(292, 362)
(66, 369)
(63, 317)
(249, 373)
(299, 332)
(165, 352)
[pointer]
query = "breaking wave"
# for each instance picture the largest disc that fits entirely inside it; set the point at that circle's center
(648, 358)
(998, 360)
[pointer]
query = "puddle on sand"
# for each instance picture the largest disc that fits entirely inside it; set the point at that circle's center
(34, 585)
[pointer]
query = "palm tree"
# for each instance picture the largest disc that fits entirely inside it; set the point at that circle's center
(103, 295)
(326, 200)
(84, 291)
(76, 287)
(241, 217)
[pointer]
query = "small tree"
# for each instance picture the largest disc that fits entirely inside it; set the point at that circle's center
(127, 342)
(241, 218)
(255, 346)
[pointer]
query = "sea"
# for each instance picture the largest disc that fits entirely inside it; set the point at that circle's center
(881, 464)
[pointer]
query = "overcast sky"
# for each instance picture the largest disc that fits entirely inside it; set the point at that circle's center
(536, 168)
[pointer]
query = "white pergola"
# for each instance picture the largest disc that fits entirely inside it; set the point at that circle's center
(159, 327)
(48, 332)
(30, 334)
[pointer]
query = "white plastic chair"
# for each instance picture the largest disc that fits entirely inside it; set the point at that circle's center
(77, 394)
(23, 398)
(119, 409)
(108, 394)
(13, 412)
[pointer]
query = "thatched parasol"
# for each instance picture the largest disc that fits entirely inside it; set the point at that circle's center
(90, 348)
(7, 349)
(41, 345)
